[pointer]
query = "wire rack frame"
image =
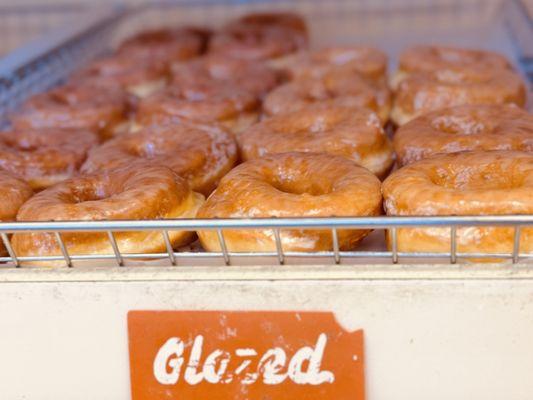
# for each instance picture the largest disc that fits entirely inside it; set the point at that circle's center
(276, 225)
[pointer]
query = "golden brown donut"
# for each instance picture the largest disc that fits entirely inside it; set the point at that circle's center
(165, 46)
(261, 37)
(138, 77)
(206, 101)
(281, 19)
(433, 58)
(133, 192)
(43, 157)
(74, 106)
(469, 183)
(424, 92)
(353, 133)
(464, 128)
(291, 185)
(201, 154)
(368, 62)
(15, 192)
(333, 89)
(252, 76)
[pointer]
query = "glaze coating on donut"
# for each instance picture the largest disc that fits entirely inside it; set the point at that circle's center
(44, 157)
(134, 192)
(138, 77)
(203, 102)
(464, 128)
(291, 185)
(14, 193)
(469, 183)
(432, 58)
(333, 89)
(281, 19)
(261, 37)
(202, 154)
(74, 106)
(253, 76)
(352, 133)
(164, 46)
(424, 92)
(368, 62)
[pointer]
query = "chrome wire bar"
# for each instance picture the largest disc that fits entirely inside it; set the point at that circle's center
(114, 245)
(279, 247)
(383, 222)
(170, 250)
(394, 244)
(516, 244)
(453, 245)
(223, 246)
(63, 248)
(335, 239)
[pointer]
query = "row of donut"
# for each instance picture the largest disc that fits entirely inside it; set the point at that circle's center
(294, 184)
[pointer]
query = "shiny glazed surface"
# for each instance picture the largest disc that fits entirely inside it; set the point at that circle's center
(137, 191)
(73, 107)
(431, 58)
(463, 128)
(261, 36)
(353, 133)
(424, 92)
(253, 76)
(164, 46)
(14, 193)
(43, 157)
(368, 62)
(333, 89)
(202, 154)
(470, 183)
(291, 185)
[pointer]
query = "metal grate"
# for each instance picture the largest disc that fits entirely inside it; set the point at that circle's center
(394, 225)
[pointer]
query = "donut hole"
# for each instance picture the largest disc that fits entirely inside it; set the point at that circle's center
(301, 186)
(86, 193)
(484, 177)
(463, 125)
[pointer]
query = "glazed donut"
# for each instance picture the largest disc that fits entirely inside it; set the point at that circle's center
(353, 133)
(464, 128)
(165, 46)
(44, 157)
(333, 89)
(74, 107)
(201, 154)
(424, 92)
(291, 185)
(252, 76)
(368, 62)
(279, 19)
(135, 191)
(138, 77)
(433, 58)
(469, 183)
(205, 102)
(261, 37)
(15, 192)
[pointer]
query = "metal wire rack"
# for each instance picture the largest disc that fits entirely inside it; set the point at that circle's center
(390, 25)
(276, 225)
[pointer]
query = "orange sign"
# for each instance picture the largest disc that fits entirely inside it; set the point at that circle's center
(244, 355)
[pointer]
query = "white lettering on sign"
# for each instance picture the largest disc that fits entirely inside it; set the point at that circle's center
(304, 367)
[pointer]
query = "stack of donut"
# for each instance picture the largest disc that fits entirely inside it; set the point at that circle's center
(158, 128)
